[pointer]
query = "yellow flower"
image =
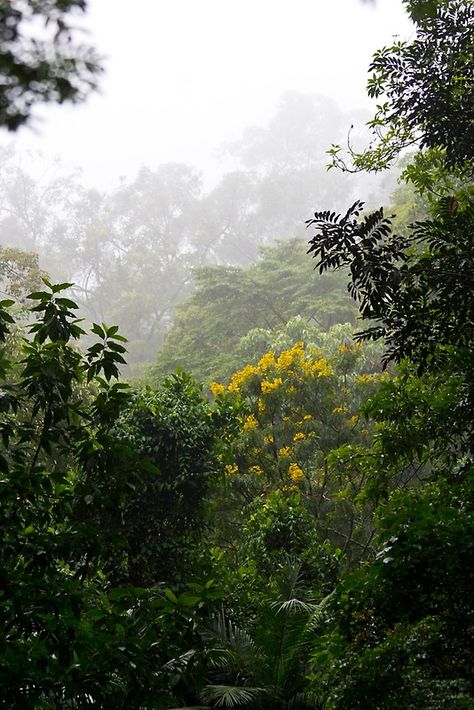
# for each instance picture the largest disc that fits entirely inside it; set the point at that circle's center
(295, 473)
(260, 406)
(231, 468)
(268, 439)
(289, 489)
(268, 386)
(299, 436)
(307, 416)
(361, 379)
(216, 388)
(317, 368)
(322, 368)
(240, 377)
(291, 389)
(353, 420)
(289, 357)
(340, 410)
(284, 452)
(257, 470)
(250, 423)
(267, 361)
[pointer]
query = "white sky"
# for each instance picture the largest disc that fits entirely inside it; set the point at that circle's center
(183, 76)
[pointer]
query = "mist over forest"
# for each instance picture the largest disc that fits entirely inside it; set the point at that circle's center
(132, 252)
(236, 395)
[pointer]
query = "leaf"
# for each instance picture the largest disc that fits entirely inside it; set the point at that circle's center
(228, 696)
(188, 599)
(97, 330)
(56, 288)
(171, 596)
(66, 302)
(39, 296)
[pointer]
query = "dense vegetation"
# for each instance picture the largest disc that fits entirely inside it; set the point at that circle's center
(297, 531)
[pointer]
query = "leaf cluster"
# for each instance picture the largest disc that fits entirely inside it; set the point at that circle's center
(425, 91)
(417, 289)
(41, 67)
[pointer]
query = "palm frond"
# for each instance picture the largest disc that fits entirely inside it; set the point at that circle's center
(179, 663)
(229, 696)
(236, 642)
(293, 605)
(320, 614)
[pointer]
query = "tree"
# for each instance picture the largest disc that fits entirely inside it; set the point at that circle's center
(398, 635)
(40, 59)
(400, 631)
(160, 225)
(36, 199)
(111, 245)
(416, 289)
(230, 301)
(19, 272)
(180, 440)
(69, 636)
(261, 665)
(301, 410)
(428, 90)
(47, 593)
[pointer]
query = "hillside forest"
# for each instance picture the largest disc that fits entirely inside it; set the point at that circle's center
(236, 462)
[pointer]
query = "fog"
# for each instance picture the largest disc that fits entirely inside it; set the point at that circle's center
(206, 141)
(181, 76)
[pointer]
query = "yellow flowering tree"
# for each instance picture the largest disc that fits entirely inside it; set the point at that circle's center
(300, 407)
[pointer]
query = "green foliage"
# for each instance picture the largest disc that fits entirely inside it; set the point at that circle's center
(261, 664)
(110, 498)
(131, 251)
(182, 439)
(420, 10)
(19, 272)
(426, 170)
(71, 634)
(423, 424)
(401, 628)
(425, 90)
(281, 526)
(418, 290)
(230, 301)
(300, 422)
(41, 67)
(428, 83)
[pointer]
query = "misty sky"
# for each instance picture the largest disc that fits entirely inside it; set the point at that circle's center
(183, 76)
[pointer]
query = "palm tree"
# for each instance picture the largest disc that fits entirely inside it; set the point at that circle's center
(264, 667)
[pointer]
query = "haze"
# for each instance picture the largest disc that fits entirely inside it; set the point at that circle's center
(206, 143)
(184, 76)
